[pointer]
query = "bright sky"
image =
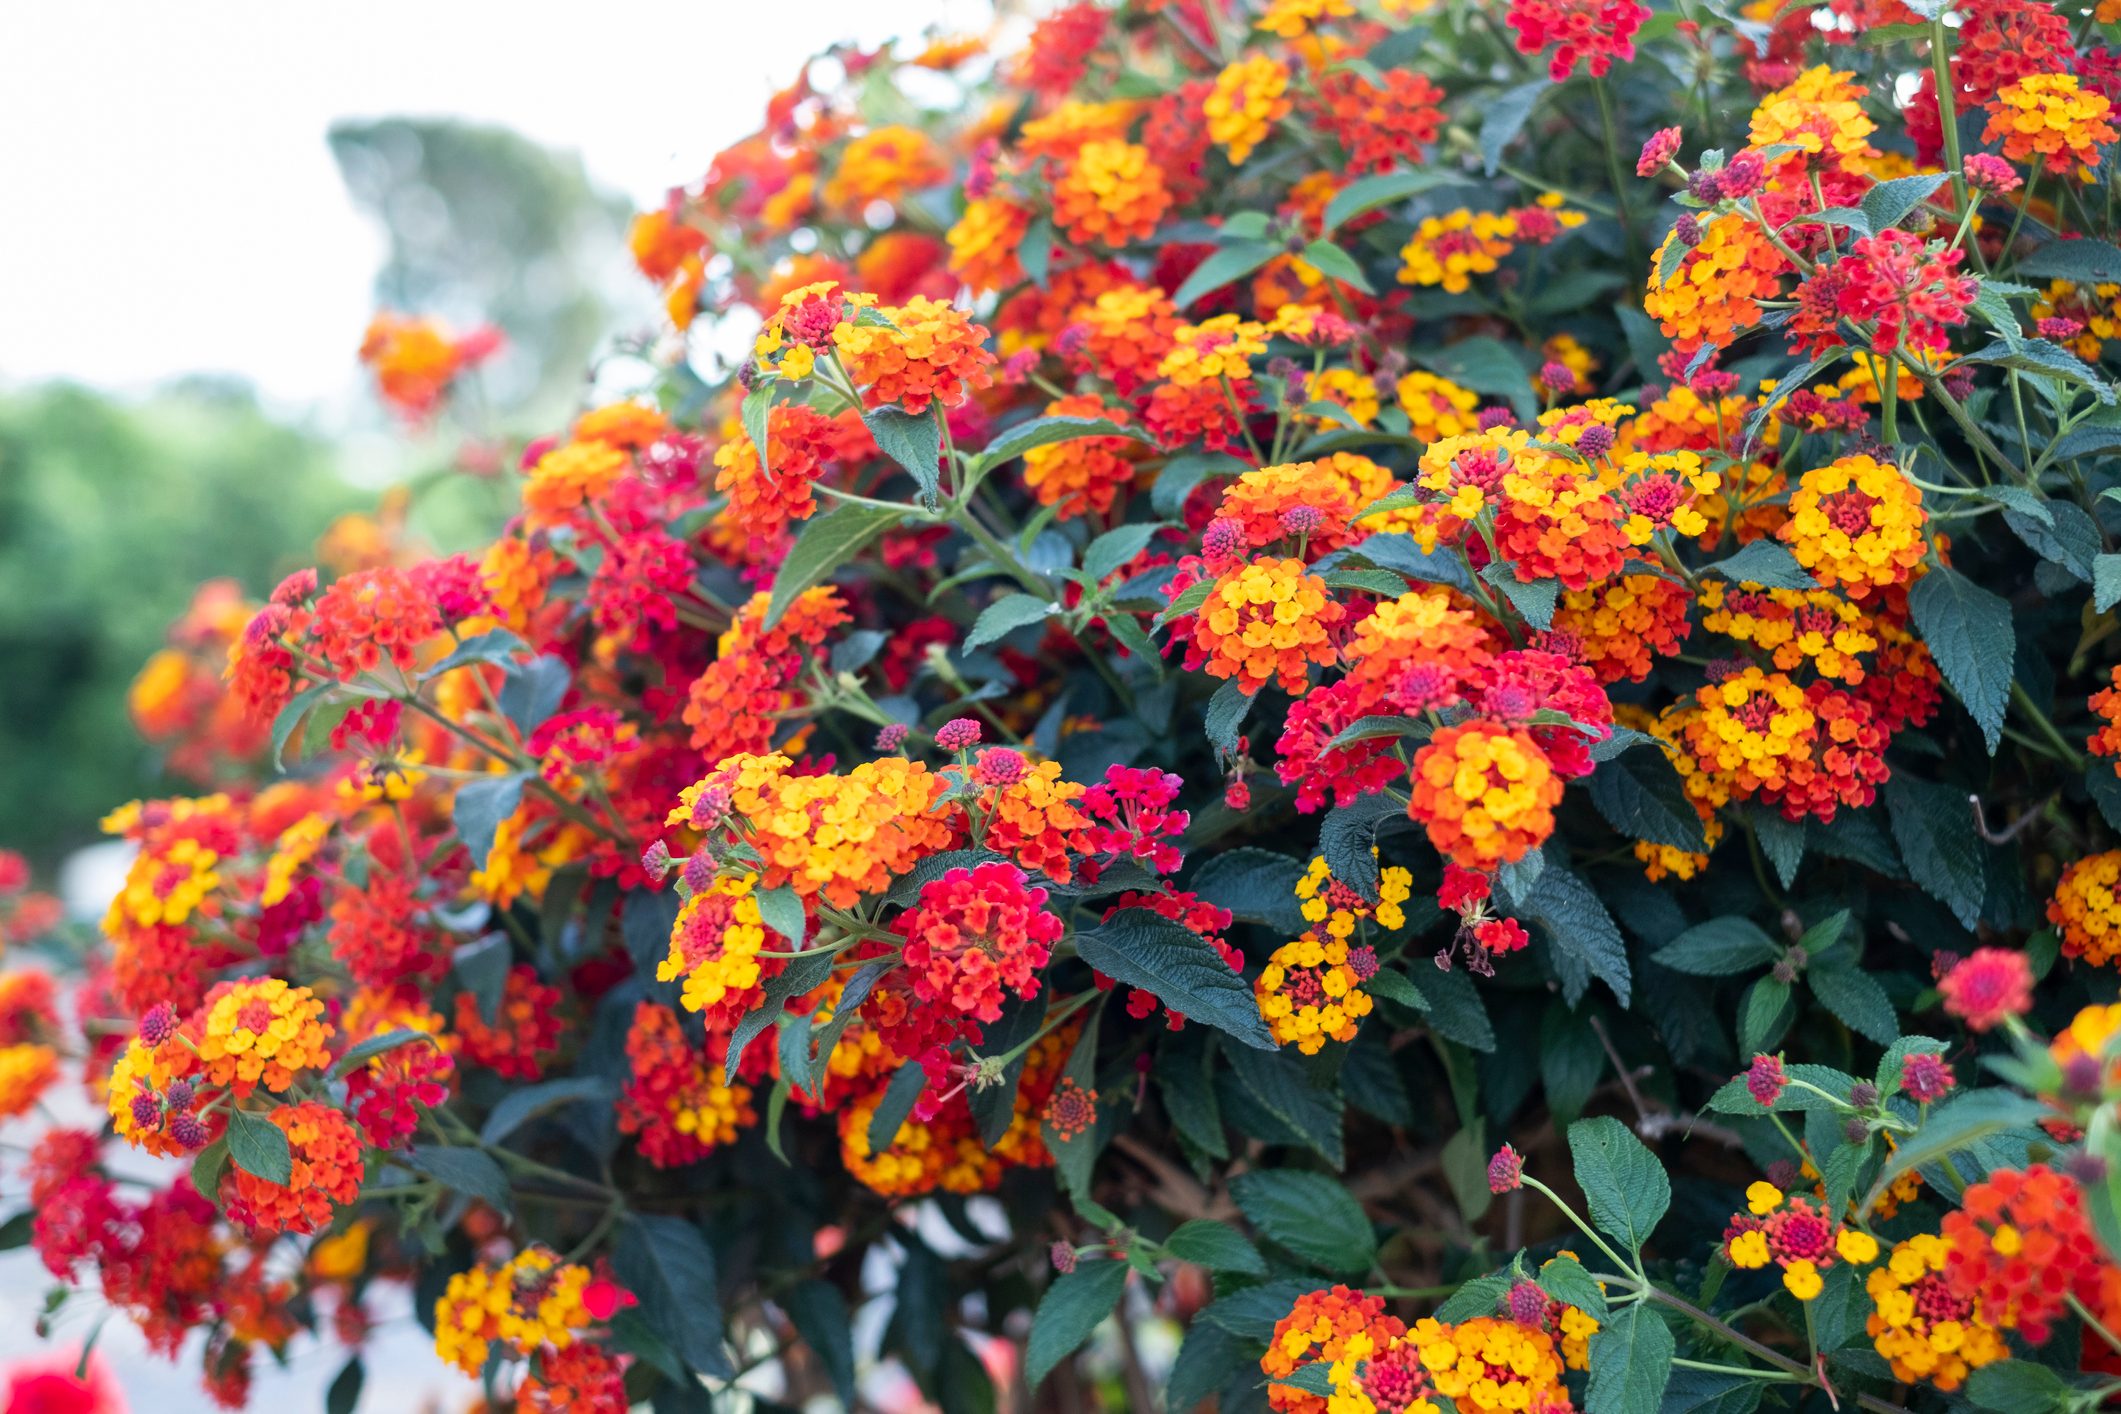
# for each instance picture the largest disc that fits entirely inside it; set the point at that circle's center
(168, 203)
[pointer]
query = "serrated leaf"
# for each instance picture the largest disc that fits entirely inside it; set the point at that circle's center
(259, 1147)
(1622, 1181)
(1347, 836)
(1230, 262)
(1939, 841)
(1226, 714)
(1402, 554)
(467, 1171)
(1216, 1246)
(1534, 601)
(826, 543)
(2082, 262)
(1310, 1216)
(1179, 968)
(1969, 632)
(208, 1167)
(669, 1268)
(534, 691)
(361, 1054)
(1304, 1110)
(518, 1107)
(495, 646)
(1566, 1280)
(1110, 551)
(1631, 1361)
(1765, 563)
(1007, 614)
(1046, 432)
(1721, 947)
(821, 1317)
(1073, 1306)
(896, 1103)
(1761, 1015)
(1855, 997)
(1887, 204)
(1366, 194)
(914, 441)
(2106, 582)
(1256, 885)
(290, 717)
(1958, 1123)
(1578, 927)
(1642, 795)
(1486, 365)
(1336, 264)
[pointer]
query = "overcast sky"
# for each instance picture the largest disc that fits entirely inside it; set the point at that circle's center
(168, 204)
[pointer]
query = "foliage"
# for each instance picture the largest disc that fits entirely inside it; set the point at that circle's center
(802, 819)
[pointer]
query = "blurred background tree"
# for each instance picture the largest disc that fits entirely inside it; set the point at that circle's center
(486, 226)
(111, 513)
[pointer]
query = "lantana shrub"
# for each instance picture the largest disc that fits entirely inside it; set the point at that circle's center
(1425, 692)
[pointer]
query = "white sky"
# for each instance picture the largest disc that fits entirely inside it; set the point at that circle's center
(168, 203)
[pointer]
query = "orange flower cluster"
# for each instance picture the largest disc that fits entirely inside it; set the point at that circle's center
(677, 1101)
(2021, 1246)
(1266, 622)
(325, 1149)
(922, 352)
(1485, 793)
(2086, 908)
(1857, 523)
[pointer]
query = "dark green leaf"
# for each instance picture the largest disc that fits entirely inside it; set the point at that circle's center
(1762, 1015)
(208, 1167)
(1889, 203)
(466, 1171)
(1256, 885)
(1958, 1123)
(1216, 1246)
(1622, 1181)
(1348, 836)
(259, 1147)
(1855, 997)
(1231, 262)
(2019, 1387)
(533, 692)
(1110, 551)
(1007, 614)
(1369, 193)
(1486, 365)
(1179, 968)
(1227, 710)
(2083, 262)
(1310, 1216)
(1766, 564)
(1720, 947)
(1534, 602)
(520, 1106)
(1403, 554)
(669, 1268)
(1579, 928)
(1504, 118)
(345, 1392)
(1565, 1279)
(914, 441)
(497, 646)
(1969, 631)
(1280, 1085)
(1072, 1307)
(480, 808)
(360, 1055)
(1631, 1359)
(802, 975)
(289, 717)
(1045, 432)
(897, 1102)
(1642, 795)
(826, 543)
(1934, 826)
(1336, 264)
(821, 1317)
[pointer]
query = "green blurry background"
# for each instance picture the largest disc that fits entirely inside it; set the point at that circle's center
(114, 509)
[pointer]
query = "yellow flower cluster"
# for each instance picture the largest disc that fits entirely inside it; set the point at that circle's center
(1338, 908)
(1248, 99)
(264, 1030)
(531, 1302)
(1491, 1366)
(1794, 626)
(1750, 727)
(1221, 347)
(715, 942)
(2086, 908)
(1266, 621)
(26, 1072)
(1449, 250)
(1820, 110)
(569, 476)
(2050, 118)
(1309, 994)
(1857, 522)
(165, 886)
(885, 164)
(1436, 408)
(1920, 1324)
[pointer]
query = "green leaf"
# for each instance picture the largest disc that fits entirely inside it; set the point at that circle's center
(1115, 548)
(1369, 193)
(1940, 843)
(1735, 1099)
(1179, 968)
(1206, 1357)
(208, 1167)
(1216, 1246)
(1565, 1279)
(1402, 554)
(15, 1232)
(755, 412)
(914, 441)
(1782, 841)
(1956, 1124)
(1887, 204)
(345, 1392)
(1855, 997)
(496, 646)
(1397, 987)
(1186, 602)
(534, 691)
(669, 1268)
(1486, 365)
(1045, 432)
(1336, 264)
(1231, 262)
(2045, 360)
(2019, 1387)
(821, 1317)
(1226, 714)
(1371, 728)
(897, 1102)
(1761, 1016)
(481, 806)
(1035, 253)
(1766, 564)
(1622, 1181)
(2082, 262)
(1504, 118)
(520, 1106)
(1310, 1216)
(1257, 886)
(2106, 582)
(826, 543)
(1282, 1086)
(1642, 795)
(1008, 614)
(368, 1050)
(1347, 836)
(1631, 1360)
(1383, 583)
(259, 1147)
(813, 1046)
(1969, 631)
(1073, 1306)
(1894, 1060)
(1182, 474)
(2068, 537)
(1482, 1296)
(1580, 931)
(1534, 602)
(1721, 947)
(1456, 1011)
(803, 974)
(467, 1171)
(289, 717)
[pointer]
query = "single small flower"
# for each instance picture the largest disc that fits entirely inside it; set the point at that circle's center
(1063, 1258)
(891, 736)
(1926, 1078)
(1506, 1171)
(1765, 1080)
(958, 734)
(1987, 172)
(1989, 987)
(159, 1024)
(1658, 152)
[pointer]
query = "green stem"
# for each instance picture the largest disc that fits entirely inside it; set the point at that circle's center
(1638, 263)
